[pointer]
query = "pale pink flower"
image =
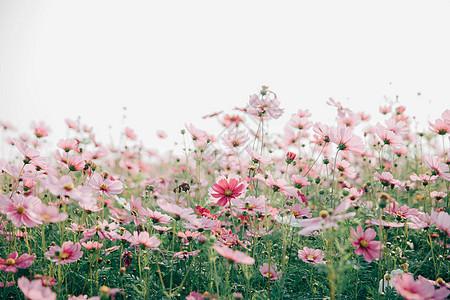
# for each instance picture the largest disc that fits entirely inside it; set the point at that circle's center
(235, 139)
(161, 134)
(345, 140)
(236, 256)
(280, 185)
(418, 289)
(158, 217)
(178, 211)
(403, 211)
(143, 238)
(72, 124)
(438, 167)
(106, 186)
(440, 127)
(188, 234)
(40, 130)
(271, 272)
(385, 109)
(386, 179)
(425, 178)
(443, 222)
(35, 290)
(130, 134)
(50, 214)
(92, 245)
(323, 130)
(388, 137)
(252, 205)
(68, 253)
(299, 212)
(68, 144)
(299, 181)
(29, 154)
(300, 123)
(185, 254)
(258, 158)
(14, 262)
(264, 107)
(363, 241)
(21, 210)
(311, 256)
(75, 163)
(325, 220)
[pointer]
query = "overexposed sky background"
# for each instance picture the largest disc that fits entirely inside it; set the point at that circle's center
(170, 62)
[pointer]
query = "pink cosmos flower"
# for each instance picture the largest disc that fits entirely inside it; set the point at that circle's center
(161, 134)
(323, 130)
(106, 186)
(264, 107)
(298, 212)
(271, 272)
(418, 289)
(40, 130)
(188, 234)
(325, 220)
(280, 185)
(236, 256)
(388, 137)
(231, 120)
(385, 109)
(75, 163)
(252, 205)
(443, 222)
(92, 245)
(185, 254)
(386, 179)
(438, 167)
(21, 210)
(229, 188)
(403, 211)
(299, 181)
(68, 144)
(235, 139)
(258, 158)
(50, 214)
(363, 241)
(130, 134)
(144, 238)
(158, 217)
(29, 154)
(68, 253)
(423, 178)
(13, 262)
(300, 123)
(35, 290)
(344, 138)
(440, 127)
(311, 256)
(178, 211)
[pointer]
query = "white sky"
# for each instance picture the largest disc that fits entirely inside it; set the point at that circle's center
(170, 62)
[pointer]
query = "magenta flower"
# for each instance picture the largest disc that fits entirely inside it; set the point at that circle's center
(363, 241)
(311, 256)
(68, 253)
(106, 186)
(226, 189)
(13, 262)
(35, 290)
(271, 272)
(21, 210)
(236, 256)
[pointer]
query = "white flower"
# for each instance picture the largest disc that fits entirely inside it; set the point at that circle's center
(388, 280)
(287, 220)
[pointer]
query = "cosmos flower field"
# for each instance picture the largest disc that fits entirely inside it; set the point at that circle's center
(354, 209)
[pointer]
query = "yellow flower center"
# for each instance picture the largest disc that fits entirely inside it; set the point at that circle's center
(68, 186)
(228, 193)
(251, 206)
(46, 217)
(20, 210)
(310, 257)
(364, 243)
(64, 255)
(103, 187)
(270, 275)
(98, 227)
(323, 214)
(10, 261)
